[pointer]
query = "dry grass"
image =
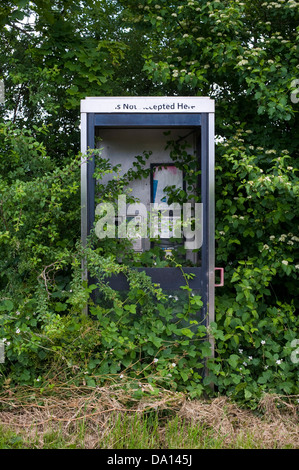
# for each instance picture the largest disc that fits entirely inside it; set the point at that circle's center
(277, 428)
(93, 413)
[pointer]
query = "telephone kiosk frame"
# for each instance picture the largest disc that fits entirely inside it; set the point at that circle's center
(121, 113)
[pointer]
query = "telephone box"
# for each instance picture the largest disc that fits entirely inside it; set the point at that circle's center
(124, 127)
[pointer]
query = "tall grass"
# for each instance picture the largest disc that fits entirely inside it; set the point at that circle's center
(131, 432)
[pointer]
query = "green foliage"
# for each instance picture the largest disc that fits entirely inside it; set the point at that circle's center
(144, 336)
(40, 213)
(254, 348)
(257, 241)
(52, 55)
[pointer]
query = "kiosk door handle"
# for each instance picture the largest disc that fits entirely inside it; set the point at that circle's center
(221, 277)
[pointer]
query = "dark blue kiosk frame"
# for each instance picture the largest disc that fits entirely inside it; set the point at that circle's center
(197, 114)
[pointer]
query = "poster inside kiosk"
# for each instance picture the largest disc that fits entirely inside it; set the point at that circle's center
(126, 127)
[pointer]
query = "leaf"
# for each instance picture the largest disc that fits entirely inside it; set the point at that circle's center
(130, 308)
(60, 307)
(240, 386)
(17, 15)
(287, 387)
(90, 382)
(233, 360)
(187, 332)
(206, 349)
(184, 376)
(236, 339)
(7, 305)
(264, 378)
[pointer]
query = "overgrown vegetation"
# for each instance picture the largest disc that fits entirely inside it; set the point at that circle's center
(244, 56)
(46, 334)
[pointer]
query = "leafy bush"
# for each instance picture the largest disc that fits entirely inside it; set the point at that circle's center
(146, 335)
(42, 295)
(256, 232)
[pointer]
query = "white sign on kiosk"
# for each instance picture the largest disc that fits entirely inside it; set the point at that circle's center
(150, 104)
